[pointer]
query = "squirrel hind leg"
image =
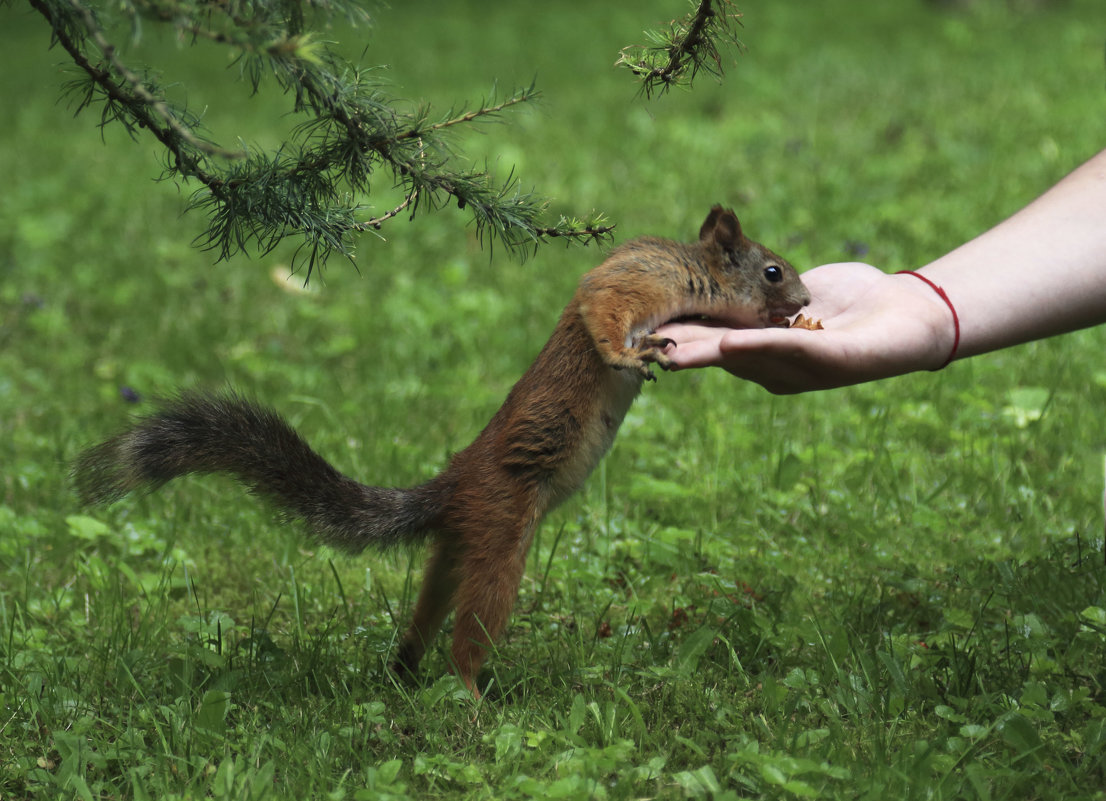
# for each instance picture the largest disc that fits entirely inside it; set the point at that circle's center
(436, 596)
(485, 598)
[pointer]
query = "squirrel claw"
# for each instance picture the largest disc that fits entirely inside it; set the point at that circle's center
(657, 341)
(657, 357)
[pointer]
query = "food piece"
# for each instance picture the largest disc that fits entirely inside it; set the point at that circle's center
(807, 323)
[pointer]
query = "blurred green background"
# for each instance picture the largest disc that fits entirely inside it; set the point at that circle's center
(858, 520)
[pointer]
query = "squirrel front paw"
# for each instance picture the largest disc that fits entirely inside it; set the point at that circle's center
(648, 350)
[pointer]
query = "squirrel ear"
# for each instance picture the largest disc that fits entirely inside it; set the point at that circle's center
(707, 228)
(722, 226)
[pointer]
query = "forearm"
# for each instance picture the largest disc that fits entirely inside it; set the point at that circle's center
(1039, 273)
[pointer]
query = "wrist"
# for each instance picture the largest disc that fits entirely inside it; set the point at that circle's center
(945, 323)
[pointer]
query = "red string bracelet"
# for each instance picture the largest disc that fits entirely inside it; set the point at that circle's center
(955, 317)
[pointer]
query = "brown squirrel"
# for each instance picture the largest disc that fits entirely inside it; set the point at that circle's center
(482, 510)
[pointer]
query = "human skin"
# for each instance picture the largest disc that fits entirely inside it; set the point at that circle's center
(1039, 273)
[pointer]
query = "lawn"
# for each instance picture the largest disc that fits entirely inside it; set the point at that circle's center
(892, 591)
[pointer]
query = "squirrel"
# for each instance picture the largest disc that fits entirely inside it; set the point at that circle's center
(482, 510)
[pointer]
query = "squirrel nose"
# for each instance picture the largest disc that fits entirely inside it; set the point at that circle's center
(800, 301)
(803, 299)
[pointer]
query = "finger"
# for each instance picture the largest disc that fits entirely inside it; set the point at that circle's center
(683, 332)
(716, 347)
(695, 352)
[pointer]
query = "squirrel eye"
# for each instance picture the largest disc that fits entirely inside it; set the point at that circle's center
(773, 273)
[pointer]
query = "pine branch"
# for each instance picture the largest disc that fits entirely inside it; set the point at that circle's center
(525, 96)
(127, 100)
(157, 106)
(573, 230)
(688, 46)
(316, 185)
(375, 223)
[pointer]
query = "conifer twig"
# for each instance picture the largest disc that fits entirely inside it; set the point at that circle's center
(157, 105)
(376, 222)
(689, 45)
(524, 96)
(313, 186)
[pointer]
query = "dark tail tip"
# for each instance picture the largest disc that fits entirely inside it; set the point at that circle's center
(99, 476)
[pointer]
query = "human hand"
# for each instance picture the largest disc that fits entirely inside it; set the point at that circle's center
(876, 325)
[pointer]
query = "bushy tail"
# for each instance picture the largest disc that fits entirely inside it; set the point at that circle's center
(224, 433)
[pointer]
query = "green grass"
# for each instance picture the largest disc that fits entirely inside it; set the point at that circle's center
(890, 591)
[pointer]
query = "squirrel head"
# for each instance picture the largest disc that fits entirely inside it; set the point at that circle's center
(763, 279)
